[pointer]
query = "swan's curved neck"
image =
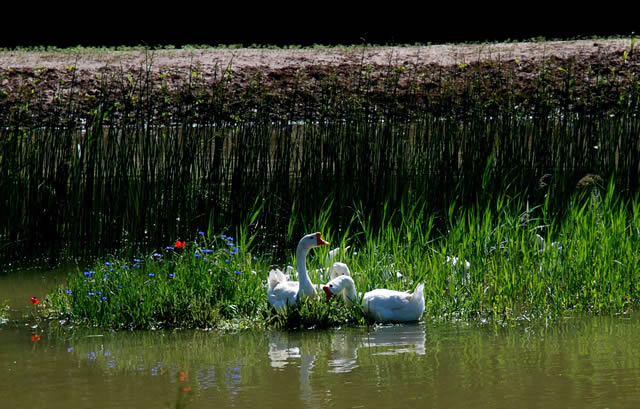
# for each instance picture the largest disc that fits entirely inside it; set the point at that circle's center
(301, 263)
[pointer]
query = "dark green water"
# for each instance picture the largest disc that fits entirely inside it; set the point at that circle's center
(590, 362)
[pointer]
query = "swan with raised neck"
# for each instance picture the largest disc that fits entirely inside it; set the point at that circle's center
(282, 292)
(306, 287)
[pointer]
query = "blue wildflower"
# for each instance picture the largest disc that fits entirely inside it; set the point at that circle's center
(172, 275)
(137, 265)
(238, 272)
(157, 255)
(112, 269)
(222, 236)
(105, 275)
(120, 287)
(197, 255)
(108, 263)
(152, 274)
(99, 292)
(201, 233)
(255, 258)
(68, 291)
(226, 260)
(87, 273)
(103, 298)
(91, 293)
(206, 250)
(169, 247)
(125, 266)
(137, 260)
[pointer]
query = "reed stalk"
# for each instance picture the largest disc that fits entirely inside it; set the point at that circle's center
(135, 164)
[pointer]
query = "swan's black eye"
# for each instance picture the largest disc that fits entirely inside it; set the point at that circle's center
(330, 285)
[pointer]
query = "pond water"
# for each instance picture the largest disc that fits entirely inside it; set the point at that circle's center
(586, 362)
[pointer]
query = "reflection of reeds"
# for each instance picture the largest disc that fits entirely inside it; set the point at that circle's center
(139, 163)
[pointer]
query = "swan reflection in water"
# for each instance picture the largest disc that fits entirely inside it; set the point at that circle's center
(341, 347)
(295, 349)
(387, 340)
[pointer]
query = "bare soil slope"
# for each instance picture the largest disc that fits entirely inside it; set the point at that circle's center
(281, 71)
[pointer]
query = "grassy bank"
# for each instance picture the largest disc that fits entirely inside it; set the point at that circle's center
(132, 158)
(407, 163)
(586, 262)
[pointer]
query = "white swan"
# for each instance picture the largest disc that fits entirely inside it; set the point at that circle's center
(541, 246)
(283, 292)
(381, 305)
(455, 263)
(339, 269)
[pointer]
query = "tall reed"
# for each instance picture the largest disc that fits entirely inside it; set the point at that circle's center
(141, 160)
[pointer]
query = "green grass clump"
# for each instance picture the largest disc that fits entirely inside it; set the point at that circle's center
(588, 262)
(515, 262)
(211, 282)
(203, 283)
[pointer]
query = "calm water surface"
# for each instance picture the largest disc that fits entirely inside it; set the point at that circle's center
(591, 362)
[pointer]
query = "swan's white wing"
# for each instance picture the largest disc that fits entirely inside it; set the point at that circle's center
(388, 299)
(275, 278)
(281, 292)
(390, 305)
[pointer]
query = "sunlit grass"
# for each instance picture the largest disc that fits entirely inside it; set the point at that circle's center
(587, 264)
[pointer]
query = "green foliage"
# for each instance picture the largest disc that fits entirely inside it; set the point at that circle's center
(488, 266)
(206, 283)
(141, 155)
(317, 314)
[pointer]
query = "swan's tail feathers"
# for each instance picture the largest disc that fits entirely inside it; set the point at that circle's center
(276, 277)
(418, 292)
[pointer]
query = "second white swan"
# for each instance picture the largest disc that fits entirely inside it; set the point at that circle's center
(381, 305)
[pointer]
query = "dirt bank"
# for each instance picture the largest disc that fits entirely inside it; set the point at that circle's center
(423, 70)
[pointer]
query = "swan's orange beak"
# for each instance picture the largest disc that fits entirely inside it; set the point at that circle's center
(321, 242)
(327, 292)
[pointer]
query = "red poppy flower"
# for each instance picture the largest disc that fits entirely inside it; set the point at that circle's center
(35, 338)
(179, 244)
(34, 301)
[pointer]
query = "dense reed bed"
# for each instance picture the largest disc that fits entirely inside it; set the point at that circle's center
(134, 160)
(502, 263)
